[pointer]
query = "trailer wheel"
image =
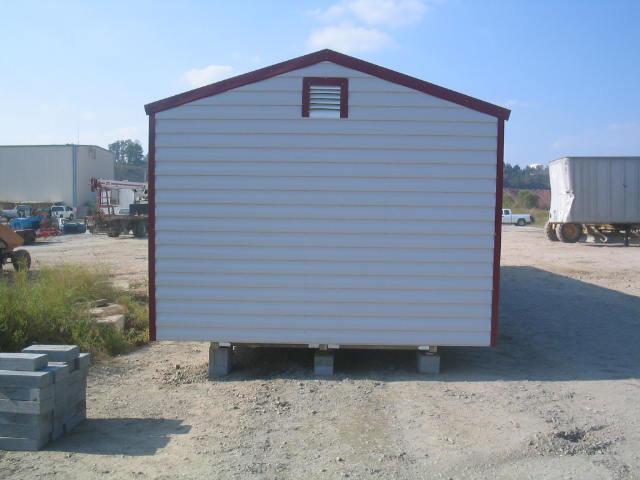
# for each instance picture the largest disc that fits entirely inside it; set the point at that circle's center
(549, 232)
(521, 222)
(21, 260)
(569, 232)
(114, 231)
(140, 230)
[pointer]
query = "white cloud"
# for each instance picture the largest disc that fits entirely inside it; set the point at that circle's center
(614, 139)
(204, 76)
(333, 13)
(348, 38)
(391, 13)
(382, 13)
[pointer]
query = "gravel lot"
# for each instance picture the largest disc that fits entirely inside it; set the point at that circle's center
(557, 399)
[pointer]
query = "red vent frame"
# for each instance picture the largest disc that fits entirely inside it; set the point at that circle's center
(343, 83)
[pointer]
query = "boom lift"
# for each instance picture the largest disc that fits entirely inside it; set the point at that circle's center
(106, 220)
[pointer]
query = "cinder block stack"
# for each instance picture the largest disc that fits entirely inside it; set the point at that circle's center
(42, 395)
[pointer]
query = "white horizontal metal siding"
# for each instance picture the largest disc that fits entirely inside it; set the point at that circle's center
(377, 229)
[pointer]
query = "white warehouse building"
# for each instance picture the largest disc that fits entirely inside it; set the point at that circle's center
(52, 173)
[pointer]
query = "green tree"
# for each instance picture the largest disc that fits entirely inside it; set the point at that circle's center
(527, 199)
(528, 177)
(508, 201)
(128, 152)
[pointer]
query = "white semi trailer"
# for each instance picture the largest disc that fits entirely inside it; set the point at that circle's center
(596, 195)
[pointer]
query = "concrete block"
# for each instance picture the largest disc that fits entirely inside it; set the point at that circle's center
(26, 362)
(428, 362)
(74, 421)
(57, 353)
(220, 361)
(83, 361)
(114, 321)
(22, 419)
(28, 394)
(59, 370)
(110, 309)
(323, 361)
(58, 429)
(20, 406)
(40, 429)
(12, 378)
(29, 444)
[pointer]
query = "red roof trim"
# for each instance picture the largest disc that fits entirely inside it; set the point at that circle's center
(151, 230)
(497, 242)
(339, 59)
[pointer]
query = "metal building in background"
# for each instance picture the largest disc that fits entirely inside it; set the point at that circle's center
(52, 173)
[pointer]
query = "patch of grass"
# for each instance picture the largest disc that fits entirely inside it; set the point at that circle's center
(52, 306)
(540, 216)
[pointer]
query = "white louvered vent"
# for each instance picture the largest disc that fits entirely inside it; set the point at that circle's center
(324, 101)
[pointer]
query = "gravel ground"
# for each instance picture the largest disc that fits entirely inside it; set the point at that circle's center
(556, 399)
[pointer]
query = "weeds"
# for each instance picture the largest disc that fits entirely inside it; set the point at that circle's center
(52, 306)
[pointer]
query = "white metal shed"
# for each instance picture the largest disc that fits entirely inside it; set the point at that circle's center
(325, 200)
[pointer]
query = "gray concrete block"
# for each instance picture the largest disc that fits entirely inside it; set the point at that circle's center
(12, 378)
(58, 429)
(110, 309)
(60, 371)
(116, 322)
(27, 362)
(23, 419)
(220, 361)
(20, 406)
(428, 362)
(28, 394)
(57, 353)
(83, 361)
(77, 376)
(74, 421)
(28, 444)
(36, 431)
(323, 361)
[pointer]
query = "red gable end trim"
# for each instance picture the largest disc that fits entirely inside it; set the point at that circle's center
(151, 231)
(497, 240)
(339, 59)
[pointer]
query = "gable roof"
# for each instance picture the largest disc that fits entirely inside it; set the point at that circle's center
(339, 59)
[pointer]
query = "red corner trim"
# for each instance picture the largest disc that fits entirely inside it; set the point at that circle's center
(340, 59)
(495, 298)
(343, 83)
(152, 227)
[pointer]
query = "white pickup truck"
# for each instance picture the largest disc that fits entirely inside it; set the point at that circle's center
(62, 211)
(519, 219)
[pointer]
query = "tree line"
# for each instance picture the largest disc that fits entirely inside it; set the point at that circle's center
(131, 161)
(527, 177)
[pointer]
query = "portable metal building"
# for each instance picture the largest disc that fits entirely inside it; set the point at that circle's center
(52, 173)
(595, 190)
(325, 200)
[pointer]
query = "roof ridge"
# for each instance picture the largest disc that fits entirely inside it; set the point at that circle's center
(339, 59)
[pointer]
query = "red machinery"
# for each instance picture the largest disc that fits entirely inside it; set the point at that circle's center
(135, 220)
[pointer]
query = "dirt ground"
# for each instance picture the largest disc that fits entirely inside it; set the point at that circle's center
(558, 398)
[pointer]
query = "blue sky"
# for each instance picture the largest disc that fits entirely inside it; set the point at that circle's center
(568, 70)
